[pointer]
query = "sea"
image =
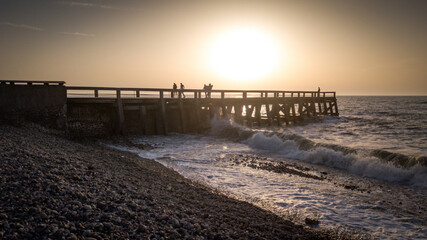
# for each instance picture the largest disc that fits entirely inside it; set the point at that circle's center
(363, 172)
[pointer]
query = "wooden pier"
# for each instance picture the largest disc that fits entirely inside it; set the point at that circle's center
(160, 111)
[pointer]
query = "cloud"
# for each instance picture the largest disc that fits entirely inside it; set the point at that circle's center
(90, 5)
(78, 34)
(22, 26)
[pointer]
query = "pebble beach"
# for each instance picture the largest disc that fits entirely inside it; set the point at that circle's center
(55, 188)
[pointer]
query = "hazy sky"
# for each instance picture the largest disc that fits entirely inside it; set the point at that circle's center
(353, 47)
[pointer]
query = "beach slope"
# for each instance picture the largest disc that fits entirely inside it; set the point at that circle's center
(55, 188)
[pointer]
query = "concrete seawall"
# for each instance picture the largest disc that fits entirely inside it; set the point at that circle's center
(38, 101)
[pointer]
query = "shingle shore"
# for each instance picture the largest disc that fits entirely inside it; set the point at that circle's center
(54, 188)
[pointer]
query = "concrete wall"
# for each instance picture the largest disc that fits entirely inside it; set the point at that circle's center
(91, 120)
(40, 103)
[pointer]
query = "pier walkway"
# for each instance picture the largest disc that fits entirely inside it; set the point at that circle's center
(190, 110)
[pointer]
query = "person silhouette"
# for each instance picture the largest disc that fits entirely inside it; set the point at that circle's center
(182, 90)
(205, 88)
(210, 86)
(175, 89)
(318, 91)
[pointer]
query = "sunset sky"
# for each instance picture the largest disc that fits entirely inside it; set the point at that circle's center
(376, 47)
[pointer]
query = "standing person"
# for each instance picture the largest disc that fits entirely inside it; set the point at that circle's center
(182, 90)
(175, 89)
(205, 88)
(210, 89)
(318, 91)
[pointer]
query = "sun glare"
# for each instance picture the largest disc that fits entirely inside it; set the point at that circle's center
(244, 55)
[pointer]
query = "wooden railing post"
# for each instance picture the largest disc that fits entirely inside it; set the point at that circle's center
(96, 93)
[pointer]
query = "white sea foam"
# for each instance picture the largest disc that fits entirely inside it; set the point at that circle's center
(365, 166)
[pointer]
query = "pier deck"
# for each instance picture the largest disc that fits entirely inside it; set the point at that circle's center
(190, 110)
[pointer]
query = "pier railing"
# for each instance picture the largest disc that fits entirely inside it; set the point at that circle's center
(111, 92)
(36, 82)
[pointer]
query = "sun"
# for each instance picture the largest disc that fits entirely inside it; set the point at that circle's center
(244, 54)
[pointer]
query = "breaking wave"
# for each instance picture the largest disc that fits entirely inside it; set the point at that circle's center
(377, 164)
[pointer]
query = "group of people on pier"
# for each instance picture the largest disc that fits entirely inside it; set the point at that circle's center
(207, 88)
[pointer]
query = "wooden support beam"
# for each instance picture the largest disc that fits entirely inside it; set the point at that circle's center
(336, 108)
(238, 113)
(224, 110)
(249, 111)
(163, 113)
(276, 111)
(325, 108)
(267, 109)
(120, 112)
(258, 114)
(229, 108)
(294, 115)
(286, 109)
(198, 116)
(313, 106)
(181, 113)
(300, 108)
(330, 109)
(143, 119)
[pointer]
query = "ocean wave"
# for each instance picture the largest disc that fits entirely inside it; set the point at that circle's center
(378, 164)
(415, 174)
